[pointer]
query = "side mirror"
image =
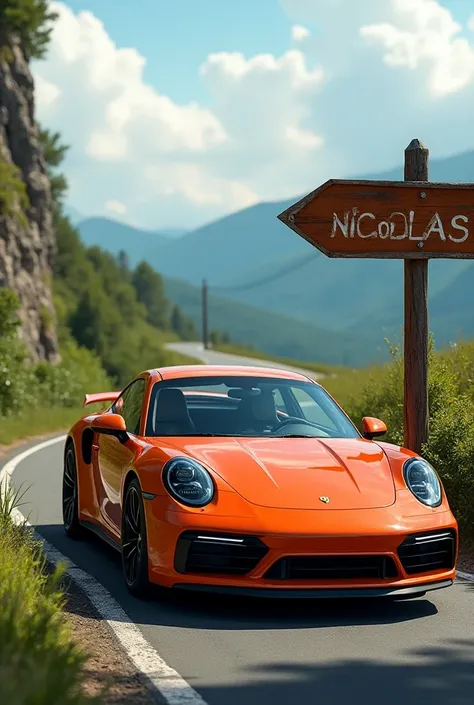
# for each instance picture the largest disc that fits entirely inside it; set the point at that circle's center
(111, 425)
(371, 428)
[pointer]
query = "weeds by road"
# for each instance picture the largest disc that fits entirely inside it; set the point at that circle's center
(40, 664)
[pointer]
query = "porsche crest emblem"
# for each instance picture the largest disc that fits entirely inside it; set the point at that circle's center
(324, 499)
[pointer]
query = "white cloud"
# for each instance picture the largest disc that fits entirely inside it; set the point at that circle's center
(426, 33)
(343, 102)
(47, 94)
(116, 207)
(166, 160)
(298, 33)
(395, 70)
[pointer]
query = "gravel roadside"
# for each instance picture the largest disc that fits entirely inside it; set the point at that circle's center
(107, 666)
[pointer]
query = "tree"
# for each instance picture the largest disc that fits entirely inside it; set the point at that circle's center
(95, 323)
(151, 293)
(181, 325)
(31, 21)
(124, 264)
(215, 338)
(54, 152)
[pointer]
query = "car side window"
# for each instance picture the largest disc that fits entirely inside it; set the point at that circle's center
(129, 405)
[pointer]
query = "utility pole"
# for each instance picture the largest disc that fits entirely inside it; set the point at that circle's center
(416, 412)
(204, 315)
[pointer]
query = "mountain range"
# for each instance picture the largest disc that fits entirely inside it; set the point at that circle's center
(253, 260)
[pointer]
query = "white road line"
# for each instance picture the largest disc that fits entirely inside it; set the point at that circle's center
(465, 576)
(163, 679)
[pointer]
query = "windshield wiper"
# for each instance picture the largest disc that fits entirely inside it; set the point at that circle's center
(201, 435)
(295, 435)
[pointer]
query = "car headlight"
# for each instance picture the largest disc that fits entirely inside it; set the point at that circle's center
(422, 480)
(188, 482)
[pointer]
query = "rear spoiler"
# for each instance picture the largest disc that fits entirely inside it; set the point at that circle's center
(100, 397)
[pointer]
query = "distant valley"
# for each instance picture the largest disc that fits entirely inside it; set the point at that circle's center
(252, 259)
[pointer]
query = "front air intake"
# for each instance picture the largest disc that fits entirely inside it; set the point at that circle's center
(321, 568)
(218, 553)
(434, 550)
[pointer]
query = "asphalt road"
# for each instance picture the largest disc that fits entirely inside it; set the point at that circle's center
(248, 652)
(213, 357)
(236, 652)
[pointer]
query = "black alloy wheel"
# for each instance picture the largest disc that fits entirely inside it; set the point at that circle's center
(70, 503)
(134, 542)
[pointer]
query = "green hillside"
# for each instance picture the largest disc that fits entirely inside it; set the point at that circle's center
(451, 317)
(252, 246)
(351, 295)
(273, 333)
(338, 294)
(239, 244)
(113, 236)
(451, 311)
(218, 250)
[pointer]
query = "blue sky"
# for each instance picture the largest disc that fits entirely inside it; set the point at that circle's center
(181, 111)
(176, 36)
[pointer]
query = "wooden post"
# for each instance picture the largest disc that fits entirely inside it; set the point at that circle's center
(204, 315)
(416, 413)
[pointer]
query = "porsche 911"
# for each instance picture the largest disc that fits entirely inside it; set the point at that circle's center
(253, 481)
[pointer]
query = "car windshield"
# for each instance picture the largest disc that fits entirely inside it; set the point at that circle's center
(239, 406)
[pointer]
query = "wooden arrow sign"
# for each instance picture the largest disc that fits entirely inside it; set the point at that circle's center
(394, 219)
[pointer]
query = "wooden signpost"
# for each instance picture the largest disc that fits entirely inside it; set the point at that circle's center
(414, 220)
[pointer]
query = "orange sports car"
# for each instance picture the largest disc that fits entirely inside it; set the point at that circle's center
(253, 481)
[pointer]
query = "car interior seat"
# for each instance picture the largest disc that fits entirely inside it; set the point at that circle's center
(171, 416)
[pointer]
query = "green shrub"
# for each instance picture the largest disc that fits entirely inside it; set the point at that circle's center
(450, 446)
(450, 450)
(13, 197)
(17, 384)
(65, 384)
(39, 663)
(25, 386)
(382, 396)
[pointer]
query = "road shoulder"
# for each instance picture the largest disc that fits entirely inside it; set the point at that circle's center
(107, 666)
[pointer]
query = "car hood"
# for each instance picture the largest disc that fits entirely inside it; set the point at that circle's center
(295, 473)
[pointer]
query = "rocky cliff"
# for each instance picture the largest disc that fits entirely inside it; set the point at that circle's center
(27, 242)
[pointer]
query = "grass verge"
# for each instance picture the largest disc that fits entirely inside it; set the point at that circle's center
(39, 662)
(37, 422)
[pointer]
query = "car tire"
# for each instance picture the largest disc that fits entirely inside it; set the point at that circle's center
(70, 495)
(134, 542)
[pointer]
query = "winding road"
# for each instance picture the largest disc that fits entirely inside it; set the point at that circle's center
(214, 357)
(243, 652)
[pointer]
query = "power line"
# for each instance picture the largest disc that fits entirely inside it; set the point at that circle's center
(295, 265)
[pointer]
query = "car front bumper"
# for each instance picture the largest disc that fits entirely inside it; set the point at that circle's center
(333, 534)
(317, 593)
